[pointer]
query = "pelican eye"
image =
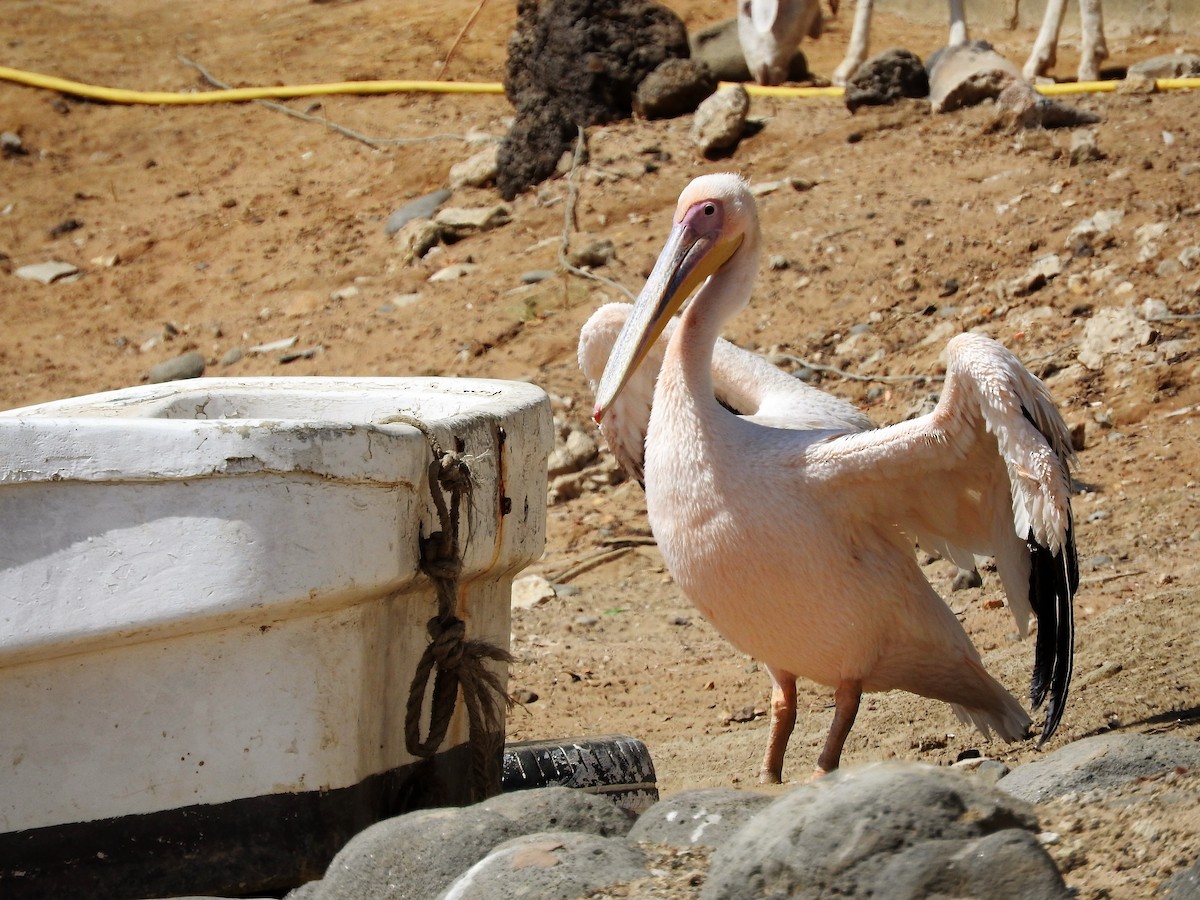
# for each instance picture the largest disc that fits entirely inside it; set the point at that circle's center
(710, 209)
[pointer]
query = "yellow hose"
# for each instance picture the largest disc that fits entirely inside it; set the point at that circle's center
(237, 95)
(282, 92)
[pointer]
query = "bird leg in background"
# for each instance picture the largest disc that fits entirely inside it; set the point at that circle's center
(783, 720)
(845, 700)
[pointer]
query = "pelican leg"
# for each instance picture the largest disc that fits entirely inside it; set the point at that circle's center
(845, 699)
(783, 720)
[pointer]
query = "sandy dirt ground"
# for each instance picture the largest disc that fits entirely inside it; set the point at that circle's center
(233, 225)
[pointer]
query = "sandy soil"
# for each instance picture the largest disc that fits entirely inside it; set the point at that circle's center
(233, 225)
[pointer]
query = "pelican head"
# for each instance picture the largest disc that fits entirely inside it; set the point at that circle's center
(713, 218)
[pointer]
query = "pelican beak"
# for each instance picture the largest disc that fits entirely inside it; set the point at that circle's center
(694, 250)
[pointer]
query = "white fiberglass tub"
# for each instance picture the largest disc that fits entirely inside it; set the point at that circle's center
(211, 609)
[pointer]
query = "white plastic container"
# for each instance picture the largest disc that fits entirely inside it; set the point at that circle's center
(211, 610)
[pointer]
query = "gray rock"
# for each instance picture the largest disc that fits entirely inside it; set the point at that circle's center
(1112, 331)
(561, 809)
(414, 856)
(594, 253)
(1009, 863)
(967, 74)
(1044, 269)
(476, 171)
(720, 120)
(421, 208)
(1084, 148)
(232, 355)
(1170, 65)
(1183, 885)
(719, 47)
(1099, 763)
(838, 835)
(453, 273)
(549, 866)
(708, 817)
(1019, 107)
(416, 238)
(457, 222)
(48, 272)
(1095, 228)
(189, 365)
(966, 578)
(573, 454)
(535, 276)
(885, 78)
(11, 145)
(306, 891)
(530, 591)
(675, 88)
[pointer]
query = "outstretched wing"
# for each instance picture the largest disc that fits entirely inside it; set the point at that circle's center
(986, 473)
(743, 381)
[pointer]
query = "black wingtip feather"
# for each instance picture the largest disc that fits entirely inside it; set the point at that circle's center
(1053, 580)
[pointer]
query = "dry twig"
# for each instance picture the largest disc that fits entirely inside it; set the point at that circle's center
(321, 120)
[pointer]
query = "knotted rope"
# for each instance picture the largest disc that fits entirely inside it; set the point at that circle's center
(459, 662)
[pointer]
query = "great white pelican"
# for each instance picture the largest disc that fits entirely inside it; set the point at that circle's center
(790, 522)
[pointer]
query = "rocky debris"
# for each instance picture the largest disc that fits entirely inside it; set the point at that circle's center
(1183, 885)
(349, 292)
(903, 830)
(1170, 65)
(275, 346)
(885, 78)
(576, 450)
(966, 74)
(1112, 331)
(11, 145)
(919, 831)
(594, 253)
(452, 272)
(1044, 269)
(189, 365)
(456, 222)
(964, 579)
(1099, 764)
(1084, 148)
(674, 89)
(706, 816)
(416, 238)
(530, 591)
(478, 170)
(1148, 238)
(574, 63)
(554, 865)
(1095, 229)
(49, 272)
(562, 809)
(422, 208)
(1020, 107)
(604, 472)
(720, 121)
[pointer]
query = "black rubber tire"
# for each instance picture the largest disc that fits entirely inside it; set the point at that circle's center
(612, 765)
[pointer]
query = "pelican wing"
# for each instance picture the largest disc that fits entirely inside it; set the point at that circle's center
(986, 473)
(744, 382)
